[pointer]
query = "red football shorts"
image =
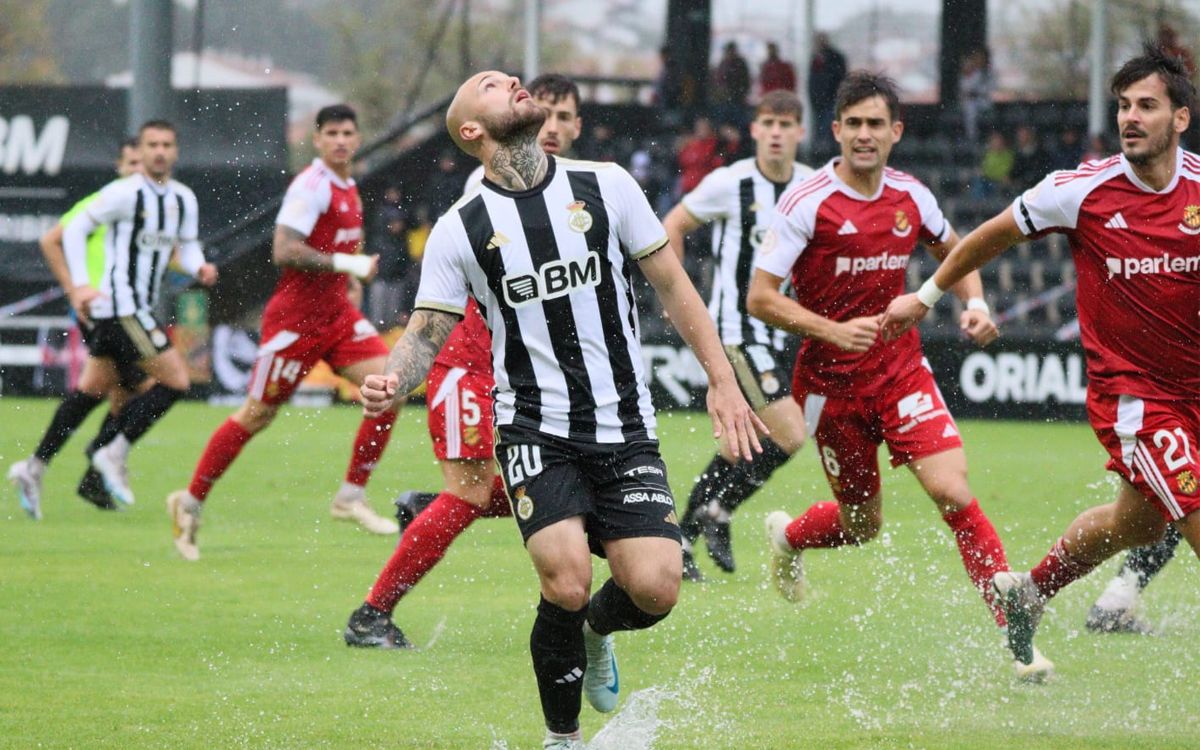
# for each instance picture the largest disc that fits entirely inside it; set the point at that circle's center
(909, 415)
(460, 413)
(285, 356)
(1152, 445)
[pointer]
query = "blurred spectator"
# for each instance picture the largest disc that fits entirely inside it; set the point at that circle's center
(601, 146)
(699, 155)
(825, 74)
(418, 234)
(668, 86)
(975, 89)
(776, 73)
(1168, 39)
(995, 169)
(1029, 163)
(444, 186)
(1068, 152)
(389, 300)
(730, 86)
(1096, 149)
(730, 147)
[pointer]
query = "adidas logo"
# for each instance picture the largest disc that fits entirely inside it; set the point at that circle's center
(1116, 222)
(573, 676)
(497, 241)
(848, 228)
(949, 431)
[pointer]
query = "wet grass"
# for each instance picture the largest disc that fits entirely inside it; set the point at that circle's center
(111, 641)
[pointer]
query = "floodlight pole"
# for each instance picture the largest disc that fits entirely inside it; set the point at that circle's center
(533, 28)
(1097, 100)
(151, 34)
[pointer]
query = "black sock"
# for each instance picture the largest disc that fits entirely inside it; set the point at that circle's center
(142, 412)
(559, 660)
(108, 431)
(705, 490)
(1146, 561)
(747, 476)
(611, 609)
(67, 418)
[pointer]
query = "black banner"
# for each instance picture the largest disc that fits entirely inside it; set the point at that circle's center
(1011, 379)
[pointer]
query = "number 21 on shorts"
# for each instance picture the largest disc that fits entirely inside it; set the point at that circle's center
(522, 462)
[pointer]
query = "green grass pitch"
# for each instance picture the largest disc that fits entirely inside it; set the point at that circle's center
(110, 640)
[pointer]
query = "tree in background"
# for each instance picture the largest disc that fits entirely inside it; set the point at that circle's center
(1049, 40)
(25, 55)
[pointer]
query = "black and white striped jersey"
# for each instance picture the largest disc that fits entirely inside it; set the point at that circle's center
(551, 269)
(146, 222)
(740, 201)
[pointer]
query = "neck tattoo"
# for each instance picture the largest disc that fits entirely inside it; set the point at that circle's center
(520, 165)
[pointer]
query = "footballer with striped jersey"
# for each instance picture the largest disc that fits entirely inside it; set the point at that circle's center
(309, 318)
(739, 200)
(844, 237)
(459, 398)
(151, 218)
(1132, 223)
(546, 247)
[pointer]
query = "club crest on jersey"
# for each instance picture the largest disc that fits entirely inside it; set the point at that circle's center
(901, 227)
(578, 218)
(148, 239)
(1186, 481)
(524, 504)
(557, 278)
(1191, 220)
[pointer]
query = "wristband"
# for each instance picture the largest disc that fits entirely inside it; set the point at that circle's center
(929, 293)
(358, 266)
(977, 303)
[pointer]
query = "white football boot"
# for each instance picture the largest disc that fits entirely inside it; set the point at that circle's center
(787, 570)
(350, 504)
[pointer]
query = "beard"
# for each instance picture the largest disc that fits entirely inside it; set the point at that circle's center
(515, 125)
(1154, 148)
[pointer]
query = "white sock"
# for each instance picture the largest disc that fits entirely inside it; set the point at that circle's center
(36, 466)
(190, 504)
(1121, 593)
(119, 447)
(351, 492)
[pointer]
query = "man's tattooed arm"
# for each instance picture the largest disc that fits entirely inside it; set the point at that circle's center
(412, 357)
(519, 166)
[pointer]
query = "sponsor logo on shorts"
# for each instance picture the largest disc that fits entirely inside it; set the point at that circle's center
(881, 262)
(639, 470)
(363, 330)
(648, 496)
(158, 338)
(524, 504)
(1186, 481)
(347, 234)
(471, 435)
(671, 519)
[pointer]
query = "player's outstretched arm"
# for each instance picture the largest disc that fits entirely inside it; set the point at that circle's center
(988, 240)
(410, 360)
(976, 319)
(773, 307)
(289, 250)
(733, 420)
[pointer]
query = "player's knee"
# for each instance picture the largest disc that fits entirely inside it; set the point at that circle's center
(568, 595)
(254, 416)
(655, 593)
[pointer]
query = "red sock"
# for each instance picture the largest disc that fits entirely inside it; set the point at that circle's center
(223, 447)
(372, 438)
(1057, 569)
(499, 507)
(819, 527)
(981, 549)
(425, 541)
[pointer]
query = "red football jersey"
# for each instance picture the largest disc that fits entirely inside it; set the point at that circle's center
(469, 345)
(846, 254)
(1137, 259)
(328, 212)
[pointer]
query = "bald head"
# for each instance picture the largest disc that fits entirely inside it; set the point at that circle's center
(491, 106)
